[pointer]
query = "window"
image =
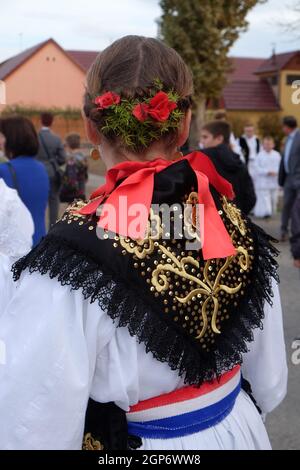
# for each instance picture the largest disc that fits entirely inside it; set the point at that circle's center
(290, 79)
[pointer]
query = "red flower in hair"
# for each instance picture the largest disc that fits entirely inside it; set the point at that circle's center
(107, 100)
(141, 111)
(159, 108)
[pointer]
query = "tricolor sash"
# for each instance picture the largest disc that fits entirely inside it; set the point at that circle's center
(185, 411)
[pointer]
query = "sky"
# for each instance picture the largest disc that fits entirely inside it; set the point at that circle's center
(94, 24)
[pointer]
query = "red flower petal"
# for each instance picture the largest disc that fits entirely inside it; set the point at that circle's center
(107, 100)
(141, 111)
(160, 97)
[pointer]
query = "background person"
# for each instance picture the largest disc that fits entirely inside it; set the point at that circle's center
(289, 173)
(234, 144)
(295, 231)
(23, 172)
(267, 169)
(215, 138)
(250, 146)
(76, 171)
(52, 155)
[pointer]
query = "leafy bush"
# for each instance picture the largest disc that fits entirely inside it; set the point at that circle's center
(31, 111)
(271, 125)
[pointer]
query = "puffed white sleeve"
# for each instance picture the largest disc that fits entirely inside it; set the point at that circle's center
(52, 337)
(16, 224)
(265, 365)
(7, 285)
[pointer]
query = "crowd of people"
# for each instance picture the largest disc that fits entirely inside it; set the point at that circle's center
(258, 172)
(121, 341)
(41, 169)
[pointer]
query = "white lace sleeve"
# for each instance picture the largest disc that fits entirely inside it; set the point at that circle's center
(265, 365)
(16, 224)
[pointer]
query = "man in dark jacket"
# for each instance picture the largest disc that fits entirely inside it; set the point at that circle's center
(215, 138)
(52, 155)
(289, 172)
(295, 239)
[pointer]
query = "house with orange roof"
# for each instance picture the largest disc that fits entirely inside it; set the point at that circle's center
(48, 76)
(257, 87)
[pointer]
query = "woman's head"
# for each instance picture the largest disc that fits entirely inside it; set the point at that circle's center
(129, 67)
(20, 137)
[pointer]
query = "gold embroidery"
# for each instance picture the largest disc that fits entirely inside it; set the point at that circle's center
(191, 219)
(142, 248)
(234, 215)
(89, 443)
(208, 288)
(196, 293)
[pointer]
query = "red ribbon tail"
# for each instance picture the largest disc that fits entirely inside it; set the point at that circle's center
(217, 242)
(200, 162)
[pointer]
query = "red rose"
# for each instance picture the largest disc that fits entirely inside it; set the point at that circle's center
(159, 108)
(141, 111)
(107, 100)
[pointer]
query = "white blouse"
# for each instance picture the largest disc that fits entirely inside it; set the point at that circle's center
(16, 224)
(61, 349)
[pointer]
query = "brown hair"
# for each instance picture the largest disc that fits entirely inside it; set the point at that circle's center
(73, 140)
(129, 67)
(217, 128)
(21, 137)
(290, 121)
(47, 119)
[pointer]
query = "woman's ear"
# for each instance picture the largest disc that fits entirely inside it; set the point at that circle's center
(91, 131)
(185, 129)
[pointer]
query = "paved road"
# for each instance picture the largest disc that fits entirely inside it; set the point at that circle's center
(284, 423)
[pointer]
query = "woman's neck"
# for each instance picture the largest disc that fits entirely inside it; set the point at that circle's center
(112, 156)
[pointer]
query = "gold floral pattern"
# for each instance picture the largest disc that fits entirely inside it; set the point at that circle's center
(89, 443)
(198, 295)
(234, 215)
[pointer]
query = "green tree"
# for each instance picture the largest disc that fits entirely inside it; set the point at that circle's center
(203, 32)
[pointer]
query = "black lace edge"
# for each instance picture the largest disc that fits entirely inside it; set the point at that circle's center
(59, 259)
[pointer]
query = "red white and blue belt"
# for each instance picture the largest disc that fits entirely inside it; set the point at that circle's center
(187, 410)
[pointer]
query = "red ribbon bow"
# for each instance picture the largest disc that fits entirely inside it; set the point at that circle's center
(137, 187)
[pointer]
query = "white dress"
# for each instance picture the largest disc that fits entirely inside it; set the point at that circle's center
(266, 186)
(61, 350)
(16, 224)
